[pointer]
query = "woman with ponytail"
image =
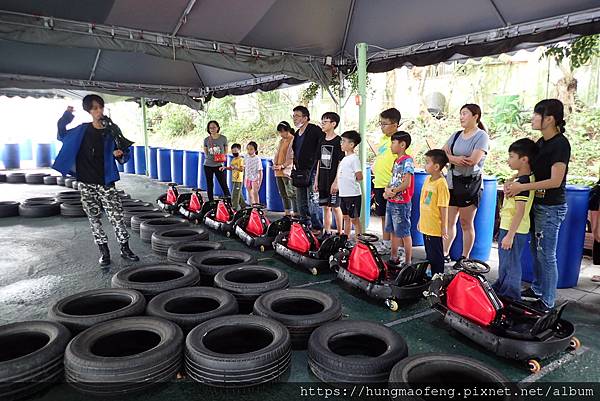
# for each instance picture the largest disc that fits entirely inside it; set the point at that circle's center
(550, 169)
(466, 150)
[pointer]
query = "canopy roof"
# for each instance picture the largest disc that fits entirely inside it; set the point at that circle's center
(188, 50)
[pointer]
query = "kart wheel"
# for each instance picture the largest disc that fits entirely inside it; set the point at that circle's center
(314, 271)
(534, 365)
(262, 248)
(392, 304)
(574, 343)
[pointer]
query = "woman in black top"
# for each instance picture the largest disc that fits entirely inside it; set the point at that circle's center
(550, 169)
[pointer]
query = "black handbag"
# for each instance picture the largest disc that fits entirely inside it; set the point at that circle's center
(464, 187)
(300, 178)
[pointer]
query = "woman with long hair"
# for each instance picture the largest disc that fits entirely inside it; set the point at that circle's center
(215, 149)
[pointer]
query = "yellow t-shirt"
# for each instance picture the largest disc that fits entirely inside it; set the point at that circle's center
(384, 161)
(236, 175)
(434, 195)
(509, 207)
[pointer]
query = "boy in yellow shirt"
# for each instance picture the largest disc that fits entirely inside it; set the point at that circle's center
(514, 222)
(435, 197)
(237, 177)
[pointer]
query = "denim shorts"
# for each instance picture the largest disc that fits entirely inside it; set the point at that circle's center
(397, 219)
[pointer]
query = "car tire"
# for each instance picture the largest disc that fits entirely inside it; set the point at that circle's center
(301, 310)
(72, 209)
(61, 181)
(9, 208)
(237, 351)
(249, 282)
(162, 240)
(188, 307)
(31, 357)
(83, 310)
(148, 227)
(50, 180)
(129, 213)
(15, 178)
(183, 251)
(39, 210)
(35, 178)
(354, 351)
(138, 219)
(152, 280)
(211, 262)
(124, 356)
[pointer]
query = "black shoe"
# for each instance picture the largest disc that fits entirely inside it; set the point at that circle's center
(104, 255)
(528, 293)
(127, 253)
(539, 306)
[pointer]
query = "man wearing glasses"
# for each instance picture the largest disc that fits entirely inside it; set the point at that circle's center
(382, 169)
(306, 153)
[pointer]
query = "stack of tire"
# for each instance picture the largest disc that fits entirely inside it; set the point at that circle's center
(31, 357)
(237, 351)
(301, 310)
(183, 251)
(50, 180)
(35, 178)
(70, 204)
(148, 227)
(138, 219)
(210, 263)
(61, 181)
(163, 239)
(249, 282)
(39, 207)
(9, 208)
(129, 212)
(15, 178)
(151, 280)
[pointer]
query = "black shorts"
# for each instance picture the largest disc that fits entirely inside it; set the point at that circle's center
(464, 202)
(381, 202)
(351, 206)
(325, 199)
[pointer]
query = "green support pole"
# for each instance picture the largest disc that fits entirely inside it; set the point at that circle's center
(145, 127)
(362, 129)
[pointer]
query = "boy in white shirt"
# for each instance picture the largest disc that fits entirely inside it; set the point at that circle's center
(347, 183)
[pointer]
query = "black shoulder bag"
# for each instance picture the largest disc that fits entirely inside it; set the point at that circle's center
(465, 187)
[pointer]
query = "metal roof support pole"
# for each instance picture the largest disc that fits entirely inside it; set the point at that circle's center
(340, 104)
(145, 128)
(362, 129)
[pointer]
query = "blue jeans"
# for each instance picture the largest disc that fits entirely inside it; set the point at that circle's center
(508, 284)
(546, 223)
(302, 202)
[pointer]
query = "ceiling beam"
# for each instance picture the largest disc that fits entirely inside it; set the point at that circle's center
(93, 72)
(499, 14)
(183, 18)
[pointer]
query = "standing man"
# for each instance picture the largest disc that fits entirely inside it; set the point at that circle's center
(382, 169)
(305, 146)
(89, 153)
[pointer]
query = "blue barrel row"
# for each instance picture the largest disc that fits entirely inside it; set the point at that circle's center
(13, 153)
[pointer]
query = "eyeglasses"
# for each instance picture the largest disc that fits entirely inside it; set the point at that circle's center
(381, 123)
(297, 115)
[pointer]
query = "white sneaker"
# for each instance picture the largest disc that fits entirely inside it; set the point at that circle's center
(383, 248)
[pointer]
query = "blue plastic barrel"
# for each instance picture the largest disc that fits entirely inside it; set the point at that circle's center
(140, 159)
(201, 175)
(274, 201)
(153, 168)
(11, 156)
(43, 155)
(177, 166)
(26, 150)
(484, 224)
(571, 237)
(262, 192)
(130, 165)
(190, 168)
(229, 172)
(417, 237)
(164, 165)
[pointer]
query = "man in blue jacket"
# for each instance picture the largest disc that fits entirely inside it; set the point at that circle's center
(89, 153)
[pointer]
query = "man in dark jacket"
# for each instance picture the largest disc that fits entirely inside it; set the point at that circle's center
(306, 154)
(89, 153)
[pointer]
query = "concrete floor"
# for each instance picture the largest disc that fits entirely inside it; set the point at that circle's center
(46, 259)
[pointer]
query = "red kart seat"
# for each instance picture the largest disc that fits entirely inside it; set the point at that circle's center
(301, 240)
(362, 263)
(171, 196)
(257, 223)
(223, 215)
(195, 204)
(471, 297)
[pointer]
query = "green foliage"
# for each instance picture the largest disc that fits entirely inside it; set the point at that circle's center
(350, 83)
(507, 114)
(171, 120)
(579, 52)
